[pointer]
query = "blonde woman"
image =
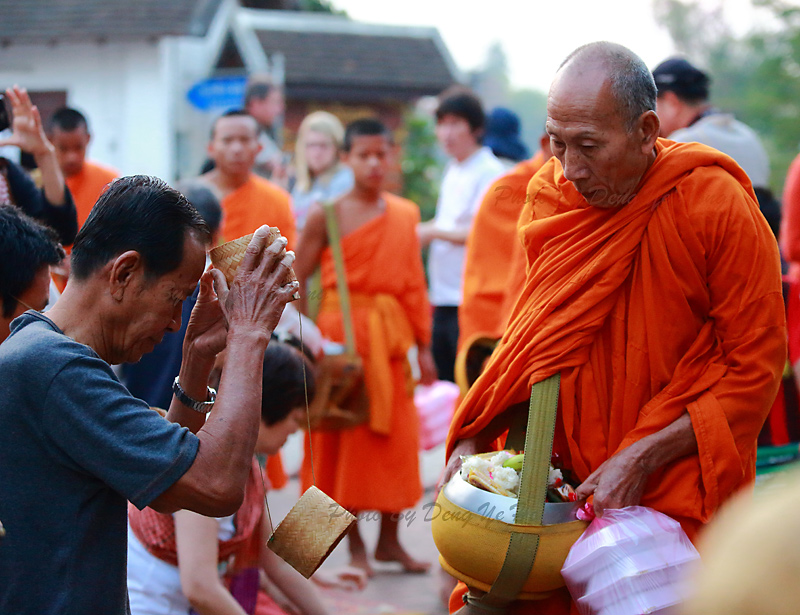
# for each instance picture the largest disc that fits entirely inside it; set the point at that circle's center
(320, 176)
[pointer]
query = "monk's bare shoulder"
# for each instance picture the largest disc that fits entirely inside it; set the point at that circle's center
(406, 206)
(315, 223)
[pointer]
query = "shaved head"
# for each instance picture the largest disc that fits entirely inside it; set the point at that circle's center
(602, 124)
(630, 81)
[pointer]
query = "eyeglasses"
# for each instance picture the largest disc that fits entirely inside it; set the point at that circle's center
(17, 299)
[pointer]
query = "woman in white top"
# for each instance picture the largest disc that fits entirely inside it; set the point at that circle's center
(320, 176)
(203, 582)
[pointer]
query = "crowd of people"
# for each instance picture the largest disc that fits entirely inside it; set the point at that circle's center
(634, 253)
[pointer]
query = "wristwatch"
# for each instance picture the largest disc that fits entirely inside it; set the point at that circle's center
(203, 407)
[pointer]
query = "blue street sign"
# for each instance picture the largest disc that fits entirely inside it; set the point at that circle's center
(217, 93)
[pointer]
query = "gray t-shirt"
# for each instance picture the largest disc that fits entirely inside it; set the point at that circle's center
(74, 447)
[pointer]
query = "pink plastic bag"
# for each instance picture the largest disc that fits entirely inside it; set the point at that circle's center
(435, 405)
(629, 561)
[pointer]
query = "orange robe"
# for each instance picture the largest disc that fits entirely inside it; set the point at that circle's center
(253, 204)
(790, 219)
(669, 303)
(375, 466)
(87, 186)
(490, 248)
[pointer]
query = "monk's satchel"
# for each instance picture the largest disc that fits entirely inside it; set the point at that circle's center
(341, 400)
(503, 562)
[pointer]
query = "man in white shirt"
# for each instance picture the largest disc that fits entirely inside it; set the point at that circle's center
(459, 128)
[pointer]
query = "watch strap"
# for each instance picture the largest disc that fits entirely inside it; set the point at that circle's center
(203, 407)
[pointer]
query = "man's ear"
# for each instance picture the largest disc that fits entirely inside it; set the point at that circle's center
(122, 271)
(649, 127)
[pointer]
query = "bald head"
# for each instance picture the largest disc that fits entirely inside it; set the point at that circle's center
(601, 121)
(629, 81)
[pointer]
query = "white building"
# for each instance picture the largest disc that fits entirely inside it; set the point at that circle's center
(128, 66)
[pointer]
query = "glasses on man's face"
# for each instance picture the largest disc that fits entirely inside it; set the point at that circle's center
(17, 299)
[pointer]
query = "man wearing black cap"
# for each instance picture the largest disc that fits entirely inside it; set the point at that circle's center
(687, 115)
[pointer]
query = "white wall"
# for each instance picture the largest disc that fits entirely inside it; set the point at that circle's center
(123, 88)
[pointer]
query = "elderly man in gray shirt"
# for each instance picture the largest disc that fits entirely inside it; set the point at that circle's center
(75, 445)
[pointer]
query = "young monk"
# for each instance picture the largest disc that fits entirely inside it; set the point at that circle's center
(373, 466)
(86, 180)
(248, 201)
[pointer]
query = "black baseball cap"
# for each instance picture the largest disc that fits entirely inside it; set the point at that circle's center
(680, 76)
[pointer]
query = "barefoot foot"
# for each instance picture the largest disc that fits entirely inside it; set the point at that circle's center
(361, 562)
(396, 553)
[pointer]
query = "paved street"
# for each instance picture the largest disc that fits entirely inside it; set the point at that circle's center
(390, 591)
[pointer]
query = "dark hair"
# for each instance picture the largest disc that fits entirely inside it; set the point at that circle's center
(231, 113)
(25, 247)
(258, 90)
(465, 105)
(140, 213)
(284, 386)
(68, 119)
(203, 199)
(365, 127)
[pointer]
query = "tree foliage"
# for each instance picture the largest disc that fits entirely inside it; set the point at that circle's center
(756, 76)
(492, 84)
(422, 169)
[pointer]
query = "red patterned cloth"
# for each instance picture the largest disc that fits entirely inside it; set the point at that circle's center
(156, 531)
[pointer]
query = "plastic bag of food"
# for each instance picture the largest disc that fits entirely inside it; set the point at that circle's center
(629, 561)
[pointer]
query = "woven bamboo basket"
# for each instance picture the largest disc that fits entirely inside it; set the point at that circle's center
(311, 530)
(228, 256)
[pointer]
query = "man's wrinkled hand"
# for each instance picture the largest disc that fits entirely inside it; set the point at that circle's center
(207, 330)
(617, 483)
(258, 294)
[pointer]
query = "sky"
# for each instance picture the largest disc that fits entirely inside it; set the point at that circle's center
(535, 40)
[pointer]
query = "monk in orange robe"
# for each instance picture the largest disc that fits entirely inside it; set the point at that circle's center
(248, 201)
(87, 186)
(653, 288)
(69, 133)
(374, 466)
(491, 246)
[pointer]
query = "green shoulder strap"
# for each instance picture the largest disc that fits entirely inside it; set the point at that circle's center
(538, 449)
(335, 242)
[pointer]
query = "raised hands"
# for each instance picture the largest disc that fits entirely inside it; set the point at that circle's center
(27, 131)
(258, 295)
